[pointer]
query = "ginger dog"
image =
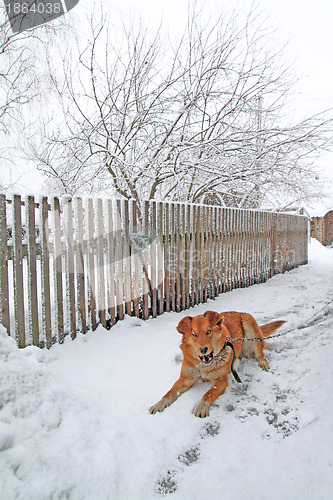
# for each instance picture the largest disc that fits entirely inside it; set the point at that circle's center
(208, 353)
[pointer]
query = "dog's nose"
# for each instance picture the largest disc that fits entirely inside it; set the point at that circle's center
(203, 350)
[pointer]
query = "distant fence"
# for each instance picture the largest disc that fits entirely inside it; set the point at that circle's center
(69, 264)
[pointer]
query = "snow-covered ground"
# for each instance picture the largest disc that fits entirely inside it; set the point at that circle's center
(74, 421)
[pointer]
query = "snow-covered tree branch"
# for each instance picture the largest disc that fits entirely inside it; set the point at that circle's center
(150, 118)
(22, 81)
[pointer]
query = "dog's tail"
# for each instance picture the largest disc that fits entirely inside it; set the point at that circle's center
(268, 329)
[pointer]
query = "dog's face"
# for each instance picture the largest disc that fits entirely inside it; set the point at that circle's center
(203, 334)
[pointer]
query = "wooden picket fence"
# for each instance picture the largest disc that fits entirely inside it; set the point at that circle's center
(70, 264)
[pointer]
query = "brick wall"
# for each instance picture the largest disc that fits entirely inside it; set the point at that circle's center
(328, 228)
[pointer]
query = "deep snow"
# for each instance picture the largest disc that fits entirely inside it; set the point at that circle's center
(74, 420)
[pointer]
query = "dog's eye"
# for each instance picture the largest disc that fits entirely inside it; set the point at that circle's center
(194, 334)
(209, 332)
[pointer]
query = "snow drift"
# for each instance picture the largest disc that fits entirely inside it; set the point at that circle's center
(74, 420)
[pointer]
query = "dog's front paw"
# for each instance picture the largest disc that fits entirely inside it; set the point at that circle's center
(202, 410)
(160, 406)
(264, 365)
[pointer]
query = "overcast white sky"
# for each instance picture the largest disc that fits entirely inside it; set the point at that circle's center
(305, 24)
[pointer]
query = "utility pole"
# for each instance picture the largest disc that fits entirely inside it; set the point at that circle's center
(258, 139)
(259, 125)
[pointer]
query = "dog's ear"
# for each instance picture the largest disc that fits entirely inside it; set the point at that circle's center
(184, 326)
(214, 318)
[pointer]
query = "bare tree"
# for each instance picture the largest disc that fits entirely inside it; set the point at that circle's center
(148, 118)
(22, 80)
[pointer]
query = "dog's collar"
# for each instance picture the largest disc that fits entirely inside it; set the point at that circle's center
(228, 343)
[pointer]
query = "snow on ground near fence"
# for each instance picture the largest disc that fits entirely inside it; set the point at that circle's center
(74, 420)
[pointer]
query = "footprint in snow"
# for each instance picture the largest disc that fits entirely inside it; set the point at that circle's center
(167, 484)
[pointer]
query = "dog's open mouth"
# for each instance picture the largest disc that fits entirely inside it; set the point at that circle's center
(207, 358)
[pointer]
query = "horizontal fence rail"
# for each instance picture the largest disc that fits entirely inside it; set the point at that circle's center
(70, 264)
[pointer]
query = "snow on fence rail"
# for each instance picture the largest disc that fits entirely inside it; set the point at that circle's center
(69, 264)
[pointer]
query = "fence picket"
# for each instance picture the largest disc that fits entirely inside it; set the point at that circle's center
(230, 238)
(145, 265)
(172, 258)
(242, 251)
(254, 230)
(187, 250)
(32, 270)
(91, 265)
(208, 249)
(178, 241)
(18, 273)
(4, 291)
(100, 263)
(182, 257)
(70, 267)
(201, 247)
(127, 260)
(58, 268)
(219, 250)
(194, 256)
(80, 268)
(160, 251)
(167, 258)
(217, 246)
(45, 270)
(153, 256)
(119, 274)
(136, 272)
(111, 263)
